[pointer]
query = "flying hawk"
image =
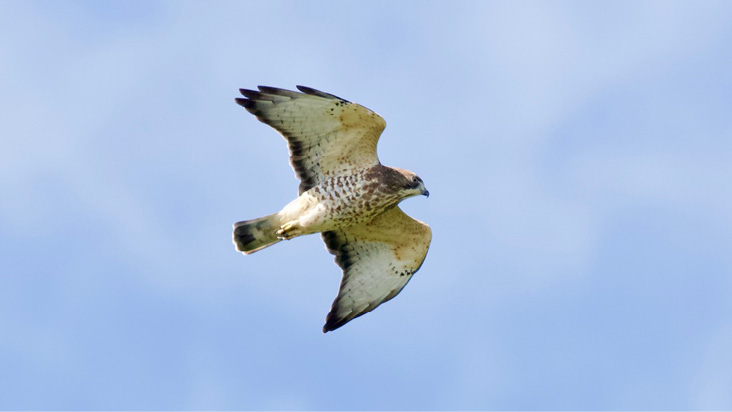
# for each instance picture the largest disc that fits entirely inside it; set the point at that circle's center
(345, 193)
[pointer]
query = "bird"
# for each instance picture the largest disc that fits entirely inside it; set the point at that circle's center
(345, 193)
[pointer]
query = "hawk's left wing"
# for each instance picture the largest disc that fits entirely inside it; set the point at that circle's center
(327, 136)
(378, 259)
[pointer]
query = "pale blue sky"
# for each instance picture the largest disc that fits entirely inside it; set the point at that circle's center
(578, 156)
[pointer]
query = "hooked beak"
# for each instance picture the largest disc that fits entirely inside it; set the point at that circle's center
(426, 193)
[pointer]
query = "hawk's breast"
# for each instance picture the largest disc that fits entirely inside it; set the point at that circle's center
(354, 198)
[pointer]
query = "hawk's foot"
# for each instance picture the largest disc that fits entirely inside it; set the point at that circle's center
(289, 230)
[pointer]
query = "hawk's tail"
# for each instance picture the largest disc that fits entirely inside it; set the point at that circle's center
(256, 234)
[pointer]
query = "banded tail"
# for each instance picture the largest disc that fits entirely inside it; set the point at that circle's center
(256, 234)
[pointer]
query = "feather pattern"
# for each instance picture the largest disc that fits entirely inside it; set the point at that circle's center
(378, 259)
(327, 135)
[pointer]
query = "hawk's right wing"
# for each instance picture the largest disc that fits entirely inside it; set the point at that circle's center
(378, 259)
(327, 135)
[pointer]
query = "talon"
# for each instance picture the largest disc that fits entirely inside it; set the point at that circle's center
(282, 235)
(287, 231)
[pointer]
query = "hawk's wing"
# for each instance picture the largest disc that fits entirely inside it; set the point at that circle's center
(327, 135)
(378, 259)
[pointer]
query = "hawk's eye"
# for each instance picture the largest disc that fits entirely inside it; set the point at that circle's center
(415, 182)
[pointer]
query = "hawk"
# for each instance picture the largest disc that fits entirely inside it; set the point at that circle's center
(345, 193)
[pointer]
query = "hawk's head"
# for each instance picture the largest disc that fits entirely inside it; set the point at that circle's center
(412, 184)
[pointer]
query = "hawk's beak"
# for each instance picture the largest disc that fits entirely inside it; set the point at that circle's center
(426, 193)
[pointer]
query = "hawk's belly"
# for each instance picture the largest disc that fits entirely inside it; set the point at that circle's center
(342, 201)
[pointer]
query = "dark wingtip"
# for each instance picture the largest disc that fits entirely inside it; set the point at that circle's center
(246, 103)
(333, 322)
(251, 94)
(331, 325)
(308, 90)
(277, 91)
(268, 89)
(315, 92)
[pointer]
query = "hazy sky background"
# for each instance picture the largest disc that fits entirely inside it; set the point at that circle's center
(578, 156)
